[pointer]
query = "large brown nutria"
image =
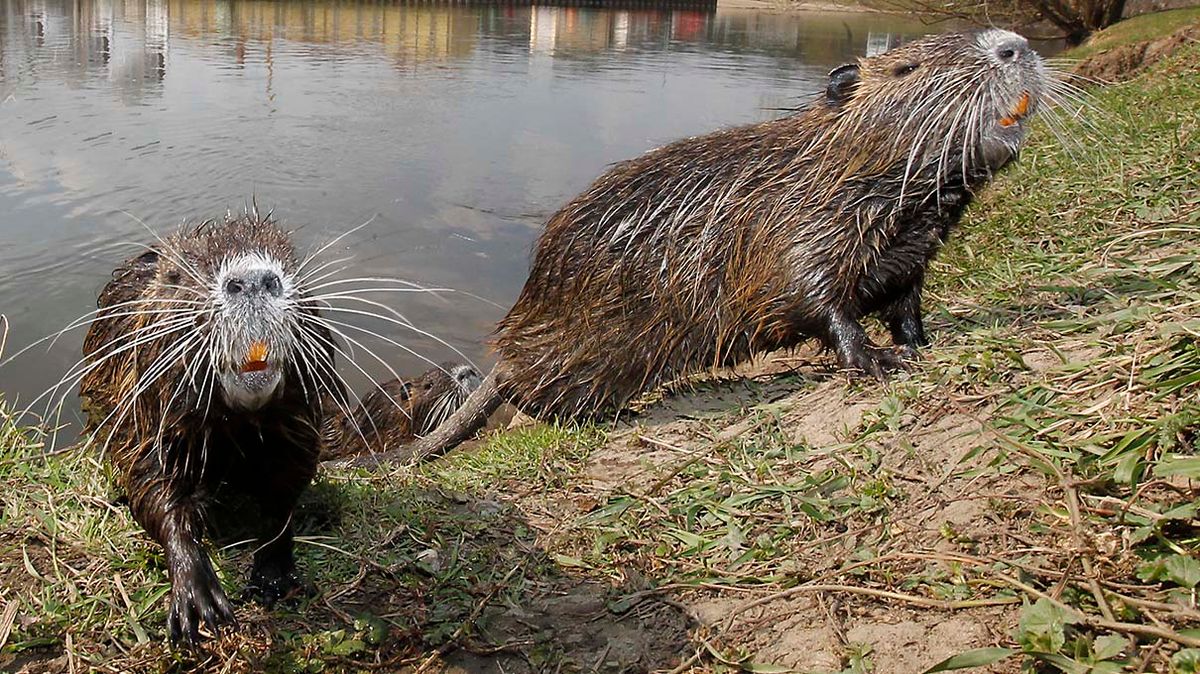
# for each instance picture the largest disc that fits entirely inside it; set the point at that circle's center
(398, 411)
(706, 251)
(206, 368)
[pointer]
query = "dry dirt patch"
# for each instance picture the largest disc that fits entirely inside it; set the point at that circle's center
(941, 501)
(1127, 61)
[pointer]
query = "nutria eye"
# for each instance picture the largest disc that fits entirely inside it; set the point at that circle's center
(904, 69)
(233, 286)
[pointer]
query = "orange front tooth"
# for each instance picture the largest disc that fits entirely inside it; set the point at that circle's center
(1022, 106)
(1007, 121)
(256, 357)
(258, 351)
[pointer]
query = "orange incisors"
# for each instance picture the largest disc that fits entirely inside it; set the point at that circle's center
(1018, 112)
(256, 357)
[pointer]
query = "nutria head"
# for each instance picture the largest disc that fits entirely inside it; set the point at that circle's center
(248, 327)
(437, 393)
(957, 101)
(215, 314)
(253, 296)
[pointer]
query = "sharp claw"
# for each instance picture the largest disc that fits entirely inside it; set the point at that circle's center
(879, 368)
(269, 586)
(877, 363)
(225, 610)
(191, 634)
(198, 609)
(209, 616)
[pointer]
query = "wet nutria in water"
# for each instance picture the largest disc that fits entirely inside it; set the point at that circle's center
(399, 411)
(709, 250)
(206, 367)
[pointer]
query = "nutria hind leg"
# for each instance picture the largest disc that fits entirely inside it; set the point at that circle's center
(273, 575)
(903, 318)
(855, 351)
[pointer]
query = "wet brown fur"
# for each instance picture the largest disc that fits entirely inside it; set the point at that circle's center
(728, 245)
(706, 251)
(176, 445)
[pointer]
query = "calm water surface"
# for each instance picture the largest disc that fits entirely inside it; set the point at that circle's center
(455, 130)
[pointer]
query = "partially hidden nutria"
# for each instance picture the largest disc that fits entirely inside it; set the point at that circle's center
(206, 368)
(709, 250)
(396, 412)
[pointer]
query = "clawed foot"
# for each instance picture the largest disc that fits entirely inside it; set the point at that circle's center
(269, 584)
(197, 599)
(878, 362)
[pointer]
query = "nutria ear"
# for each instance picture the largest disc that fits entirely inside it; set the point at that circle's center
(842, 81)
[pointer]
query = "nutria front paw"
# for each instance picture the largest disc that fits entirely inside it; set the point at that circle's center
(194, 601)
(878, 362)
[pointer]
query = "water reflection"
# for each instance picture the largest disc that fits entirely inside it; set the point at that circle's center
(455, 129)
(128, 41)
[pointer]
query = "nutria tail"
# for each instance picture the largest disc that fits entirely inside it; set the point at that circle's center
(469, 418)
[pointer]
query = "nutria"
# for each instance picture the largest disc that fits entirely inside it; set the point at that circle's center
(714, 248)
(396, 412)
(205, 369)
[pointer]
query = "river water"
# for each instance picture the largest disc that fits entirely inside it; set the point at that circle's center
(454, 130)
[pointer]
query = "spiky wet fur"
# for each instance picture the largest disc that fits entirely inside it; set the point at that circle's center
(154, 404)
(709, 250)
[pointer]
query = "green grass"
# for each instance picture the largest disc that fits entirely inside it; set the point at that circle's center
(1138, 29)
(1064, 387)
(540, 454)
(408, 555)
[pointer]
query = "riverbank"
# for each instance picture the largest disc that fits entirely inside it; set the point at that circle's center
(1027, 493)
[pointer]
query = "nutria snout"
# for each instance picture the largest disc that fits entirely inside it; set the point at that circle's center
(257, 340)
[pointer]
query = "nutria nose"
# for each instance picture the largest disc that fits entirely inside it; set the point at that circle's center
(255, 282)
(271, 283)
(1012, 49)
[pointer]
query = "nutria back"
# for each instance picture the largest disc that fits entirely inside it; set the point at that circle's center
(706, 251)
